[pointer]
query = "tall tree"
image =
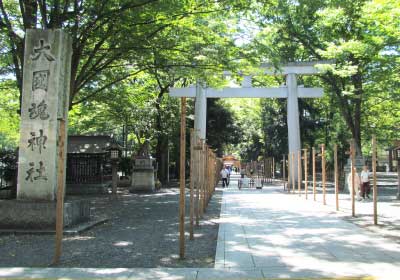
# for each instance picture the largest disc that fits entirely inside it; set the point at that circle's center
(105, 35)
(222, 128)
(356, 35)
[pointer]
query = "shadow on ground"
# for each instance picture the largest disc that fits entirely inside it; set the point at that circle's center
(142, 231)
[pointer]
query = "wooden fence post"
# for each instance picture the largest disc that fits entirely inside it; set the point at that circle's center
(212, 168)
(289, 173)
(299, 171)
(198, 179)
(375, 189)
(60, 192)
(192, 143)
(201, 176)
(205, 178)
(182, 180)
(336, 177)
(273, 167)
(305, 173)
(323, 173)
(293, 172)
(353, 163)
(314, 175)
(283, 172)
(209, 175)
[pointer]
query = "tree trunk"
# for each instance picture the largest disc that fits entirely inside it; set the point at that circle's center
(358, 92)
(351, 113)
(162, 158)
(162, 141)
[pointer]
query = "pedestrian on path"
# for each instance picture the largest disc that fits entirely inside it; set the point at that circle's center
(365, 187)
(224, 176)
(242, 172)
(356, 183)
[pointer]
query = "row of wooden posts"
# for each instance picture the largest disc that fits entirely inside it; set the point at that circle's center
(290, 182)
(204, 168)
(262, 170)
(204, 176)
(269, 169)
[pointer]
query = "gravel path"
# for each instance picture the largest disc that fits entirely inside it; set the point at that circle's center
(142, 231)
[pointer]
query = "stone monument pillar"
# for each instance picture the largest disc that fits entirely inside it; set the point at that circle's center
(45, 92)
(44, 102)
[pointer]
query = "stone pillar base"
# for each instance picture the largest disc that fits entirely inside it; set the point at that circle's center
(87, 189)
(143, 180)
(34, 215)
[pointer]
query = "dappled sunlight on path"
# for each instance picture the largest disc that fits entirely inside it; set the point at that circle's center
(285, 236)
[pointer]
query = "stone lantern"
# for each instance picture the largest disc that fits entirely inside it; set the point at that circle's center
(115, 152)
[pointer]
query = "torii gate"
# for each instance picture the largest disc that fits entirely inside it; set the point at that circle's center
(291, 91)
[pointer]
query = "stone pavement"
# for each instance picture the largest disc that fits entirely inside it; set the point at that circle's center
(282, 235)
(266, 234)
(388, 207)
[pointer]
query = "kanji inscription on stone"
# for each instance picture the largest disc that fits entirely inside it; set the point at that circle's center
(37, 141)
(30, 172)
(40, 80)
(39, 110)
(42, 49)
(40, 172)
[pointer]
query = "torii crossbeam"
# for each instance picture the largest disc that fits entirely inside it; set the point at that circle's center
(291, 91)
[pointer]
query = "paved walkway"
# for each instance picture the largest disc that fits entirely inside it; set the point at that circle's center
(282, 235)
(267, 234)
(388, 208)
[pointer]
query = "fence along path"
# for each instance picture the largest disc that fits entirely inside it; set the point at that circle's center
(204, 176)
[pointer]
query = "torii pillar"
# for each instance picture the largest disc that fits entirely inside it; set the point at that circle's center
(291, 91)
(293, 118)
(200, 112)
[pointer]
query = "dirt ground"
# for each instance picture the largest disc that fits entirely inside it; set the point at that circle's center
(141, 231)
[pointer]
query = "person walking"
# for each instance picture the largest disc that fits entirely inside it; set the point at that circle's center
(224, 176)
(365, 187)
(242, 172)
(356, 183)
